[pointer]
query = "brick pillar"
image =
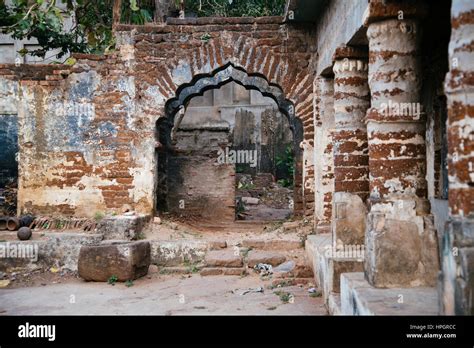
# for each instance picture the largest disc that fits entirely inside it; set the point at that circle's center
(401, 252)
(457, 277)
(323, 151)
(396, 137)
(351, 101)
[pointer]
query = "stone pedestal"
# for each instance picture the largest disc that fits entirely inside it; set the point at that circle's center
(402, 247)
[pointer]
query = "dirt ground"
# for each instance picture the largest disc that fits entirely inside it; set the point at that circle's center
(58, 292)
(159, 294)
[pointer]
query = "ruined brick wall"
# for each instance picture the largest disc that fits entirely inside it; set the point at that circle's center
(76, 137)
(88, 132)
(166, 57)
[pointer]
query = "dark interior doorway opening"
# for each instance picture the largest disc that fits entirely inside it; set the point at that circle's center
(226, 150)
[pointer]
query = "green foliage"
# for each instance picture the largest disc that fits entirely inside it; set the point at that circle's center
(129, 283)
(44, 20)
(239, 168)
(284, 296)
(240, 207)
(98, 216)
(288, 163)
(91, 32)
(206, 37)
(235, 8)
(137, 12)
(112, 280)
(246, 186)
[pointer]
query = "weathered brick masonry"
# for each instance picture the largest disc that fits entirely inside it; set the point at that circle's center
(397, 152)
(323, 151)
(457, 276)
(382, 198)
(351, 101)
(101, 157)
(351, 182)
(369, 157)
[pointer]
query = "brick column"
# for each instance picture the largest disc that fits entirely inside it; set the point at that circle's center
(396, 128)
(457, 280)
(351, 101)
(401, 252)
(323, 151)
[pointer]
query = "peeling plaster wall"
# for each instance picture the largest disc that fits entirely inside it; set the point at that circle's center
(87, 131)
(76, 140)
(341, 22)
(167, 57)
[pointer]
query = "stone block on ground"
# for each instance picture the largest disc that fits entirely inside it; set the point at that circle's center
(122, 227)
(223, 258)
(123, 259)
(269, 257)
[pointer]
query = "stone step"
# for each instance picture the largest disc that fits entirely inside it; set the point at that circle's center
(334, 304)
(213, 271)
(326, 268)
(224, 258)
(171, 253)
(358, 297)
(190, 269)
(291, 282)
(254, 257)
(49, 249)
(275, 244)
